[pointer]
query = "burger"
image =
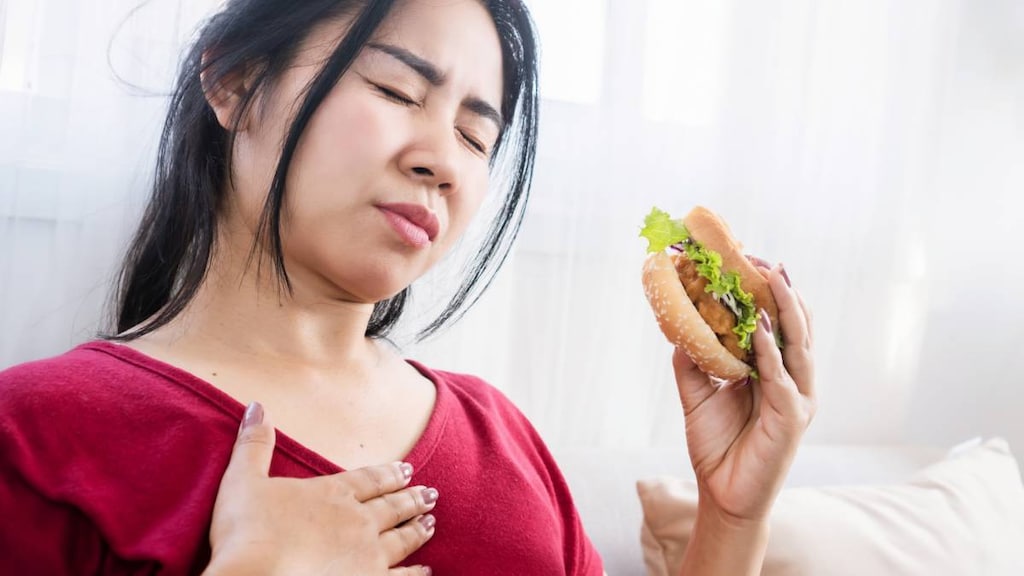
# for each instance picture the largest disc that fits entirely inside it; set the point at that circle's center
(706, 295)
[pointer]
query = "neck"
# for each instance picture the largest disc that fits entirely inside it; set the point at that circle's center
(243, 310)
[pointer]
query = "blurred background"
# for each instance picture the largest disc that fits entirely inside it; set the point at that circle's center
(876, 147)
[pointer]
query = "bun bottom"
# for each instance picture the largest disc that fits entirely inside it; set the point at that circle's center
(683, 325)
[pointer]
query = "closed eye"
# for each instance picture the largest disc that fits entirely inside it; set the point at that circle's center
(474, 143)
(395, 96)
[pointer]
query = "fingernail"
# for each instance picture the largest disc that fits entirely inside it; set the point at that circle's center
(406, 469)
(758, 262)
(253, 415)
(785, 276)
(428, 571)
(429, 496)
(428, 522)
(764, 320)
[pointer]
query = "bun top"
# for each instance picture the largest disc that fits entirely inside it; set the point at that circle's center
(713, 233)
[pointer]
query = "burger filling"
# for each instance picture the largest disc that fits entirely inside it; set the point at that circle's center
(716, 313)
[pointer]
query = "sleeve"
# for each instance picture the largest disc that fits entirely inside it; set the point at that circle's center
(581, 558)
(38, 534)
(41, 532)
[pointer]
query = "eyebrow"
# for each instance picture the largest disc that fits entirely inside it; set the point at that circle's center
(436, 77)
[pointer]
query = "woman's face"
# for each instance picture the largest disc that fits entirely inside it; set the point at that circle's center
(394, 163)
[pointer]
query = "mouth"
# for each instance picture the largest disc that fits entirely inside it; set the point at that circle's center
(415, 224)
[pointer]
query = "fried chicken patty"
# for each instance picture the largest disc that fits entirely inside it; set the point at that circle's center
(717, 315)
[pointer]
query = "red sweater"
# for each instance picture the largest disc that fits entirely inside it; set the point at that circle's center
(110, 462)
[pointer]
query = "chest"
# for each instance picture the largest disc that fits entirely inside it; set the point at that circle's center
(352, 426)
(352, 419)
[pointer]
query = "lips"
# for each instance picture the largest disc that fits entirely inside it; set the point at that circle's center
(415, 214)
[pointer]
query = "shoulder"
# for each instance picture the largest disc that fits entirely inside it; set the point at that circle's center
(92, 374)
(479, 413)
(50, 397)
(94, 394)
(38, 381)
(473, 393)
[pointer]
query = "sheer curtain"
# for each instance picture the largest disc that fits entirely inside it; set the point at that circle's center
(874, 146)
(81, 86)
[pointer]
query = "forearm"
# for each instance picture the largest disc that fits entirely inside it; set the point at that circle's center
(725, 545)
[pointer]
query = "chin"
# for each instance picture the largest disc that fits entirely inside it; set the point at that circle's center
(372, 277)
(374, 285)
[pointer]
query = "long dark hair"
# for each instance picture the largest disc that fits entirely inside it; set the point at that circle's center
(169, 255)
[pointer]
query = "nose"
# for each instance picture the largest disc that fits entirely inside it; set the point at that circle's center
(431, 162)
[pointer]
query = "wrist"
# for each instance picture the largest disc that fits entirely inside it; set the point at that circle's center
(725, 544)
(724, 524)
(226, 562)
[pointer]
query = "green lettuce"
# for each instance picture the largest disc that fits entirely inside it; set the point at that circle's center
(662, 232)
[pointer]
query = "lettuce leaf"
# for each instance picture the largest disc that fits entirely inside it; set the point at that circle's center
(661, 231)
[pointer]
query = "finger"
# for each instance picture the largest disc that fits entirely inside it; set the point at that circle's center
(759, 262)
(808, 316)
(762, 266)
(374, 481)
(694, 386)
(400, 542)
(777, 388)
(791, 315)
(254, 446)
(411, 571)
(796, 337)
(395, 508)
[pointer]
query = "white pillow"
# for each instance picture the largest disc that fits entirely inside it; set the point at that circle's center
(962, 515)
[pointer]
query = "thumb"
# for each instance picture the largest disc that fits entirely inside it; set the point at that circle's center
(254, 446)
(694, 386)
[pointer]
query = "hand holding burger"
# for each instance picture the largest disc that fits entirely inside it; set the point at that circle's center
(727, 315)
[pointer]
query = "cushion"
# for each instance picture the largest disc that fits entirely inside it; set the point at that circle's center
(961, 515)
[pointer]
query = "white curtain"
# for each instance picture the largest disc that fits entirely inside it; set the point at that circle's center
(874, 146)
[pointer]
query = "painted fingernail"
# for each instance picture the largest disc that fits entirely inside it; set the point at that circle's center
(429, 496)
(406, 469)
(253, 415)
(764, 320)
(759, 262)
(428, 522)
(785, 276)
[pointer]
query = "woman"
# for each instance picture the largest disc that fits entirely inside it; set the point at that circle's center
(317, 159)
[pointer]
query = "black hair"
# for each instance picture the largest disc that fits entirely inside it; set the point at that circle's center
(168, 258)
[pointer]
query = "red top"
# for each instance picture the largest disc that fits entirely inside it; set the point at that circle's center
(110, 462)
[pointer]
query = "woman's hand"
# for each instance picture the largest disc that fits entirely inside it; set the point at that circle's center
(363, 521)
(742, 438)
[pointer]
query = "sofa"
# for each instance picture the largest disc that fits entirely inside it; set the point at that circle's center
(604, 485)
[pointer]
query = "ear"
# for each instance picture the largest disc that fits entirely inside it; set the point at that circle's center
(225, 97)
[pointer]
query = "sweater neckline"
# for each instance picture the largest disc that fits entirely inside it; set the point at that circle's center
(418, 456)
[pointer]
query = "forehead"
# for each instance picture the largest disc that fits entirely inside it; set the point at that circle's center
(457, 36)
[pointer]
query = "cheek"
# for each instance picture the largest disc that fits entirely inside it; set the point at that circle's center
(341, 157)
(347, 131)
